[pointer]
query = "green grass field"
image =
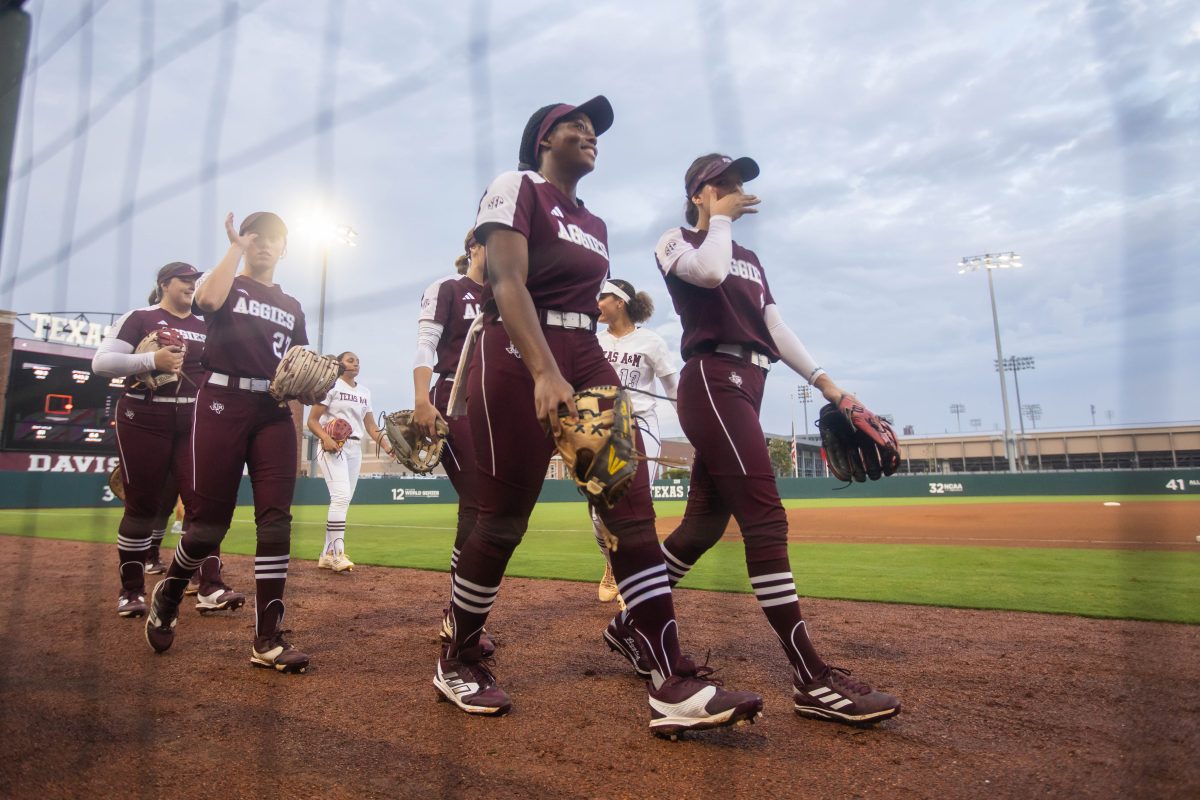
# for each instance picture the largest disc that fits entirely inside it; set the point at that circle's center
(1097, 583)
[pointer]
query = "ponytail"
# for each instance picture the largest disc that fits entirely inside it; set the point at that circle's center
(640, 308)
(156, 294)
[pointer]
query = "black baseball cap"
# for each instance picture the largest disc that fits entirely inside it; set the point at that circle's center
(264, 222)
(178, 269)
(598, 110)
(716, 164)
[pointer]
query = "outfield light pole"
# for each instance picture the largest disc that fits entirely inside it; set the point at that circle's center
(326, 234)
(989, 262)
(1015, 364)
(336, 234)
(957, 410)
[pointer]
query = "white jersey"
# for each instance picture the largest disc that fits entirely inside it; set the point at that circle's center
(351, 403)
(638, 357)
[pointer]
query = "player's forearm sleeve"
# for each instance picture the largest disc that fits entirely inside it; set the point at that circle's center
(708, 264)
(670, 384)
(115, 359)
(791, 349)
(429, 334)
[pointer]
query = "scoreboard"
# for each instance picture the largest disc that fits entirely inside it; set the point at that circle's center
(57, 404)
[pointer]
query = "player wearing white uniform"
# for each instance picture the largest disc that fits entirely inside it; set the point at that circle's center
(348, 400)
(639, 355)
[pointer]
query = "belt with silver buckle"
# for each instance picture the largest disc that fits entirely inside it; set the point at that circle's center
(164, 399)
(259, 385)
(571, 320)
(745, 353)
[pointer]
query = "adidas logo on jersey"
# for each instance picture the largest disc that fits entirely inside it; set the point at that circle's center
(468, 296)
(557, 212)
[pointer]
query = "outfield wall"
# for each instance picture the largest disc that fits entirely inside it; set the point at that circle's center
(74, 490)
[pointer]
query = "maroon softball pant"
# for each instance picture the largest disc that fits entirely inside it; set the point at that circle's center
(458, 459)
(235, 429)
(719, 401)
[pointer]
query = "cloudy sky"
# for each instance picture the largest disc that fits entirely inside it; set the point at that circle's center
(894, 139)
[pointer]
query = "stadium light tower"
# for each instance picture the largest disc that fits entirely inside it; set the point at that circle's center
(990, 262)
(325, 234)
(804, 392)
(1015, 364)
(1033, 411)
(957, 409)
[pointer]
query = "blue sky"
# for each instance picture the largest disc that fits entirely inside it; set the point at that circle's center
(894, 139)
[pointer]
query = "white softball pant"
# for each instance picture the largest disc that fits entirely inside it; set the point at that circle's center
(340, 471)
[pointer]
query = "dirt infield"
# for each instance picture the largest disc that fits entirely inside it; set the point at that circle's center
(996, 704)
(1131, 525)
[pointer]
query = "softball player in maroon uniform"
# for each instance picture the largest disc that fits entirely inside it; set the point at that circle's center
(153, 429)
(448, 308)
(547, 258)
(732, 332)
(251, 325)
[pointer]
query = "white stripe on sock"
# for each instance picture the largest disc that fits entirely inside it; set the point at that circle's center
(632, 604)
(482, 589)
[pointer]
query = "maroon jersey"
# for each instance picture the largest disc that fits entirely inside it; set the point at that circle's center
(568, 245)
(134, 326)
(731, 313)
(251, 331)
(452, 302)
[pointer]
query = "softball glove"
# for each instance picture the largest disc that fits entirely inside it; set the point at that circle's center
(419, 453)
(857, 444)
(305, 376)
(152, 342)
(339, 430)
(116, 483)
(598, 445)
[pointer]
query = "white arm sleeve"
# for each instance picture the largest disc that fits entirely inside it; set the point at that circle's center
(791, 349)
(115, 358)
(429, 334)
(706, 266)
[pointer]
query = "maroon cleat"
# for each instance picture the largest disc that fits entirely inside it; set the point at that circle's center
(131, 603)
(160, 621)
(218, 597)
(692, 700)
(487, 642)
(621, 640)
(274, 652)
(467, 681)
(836, 696)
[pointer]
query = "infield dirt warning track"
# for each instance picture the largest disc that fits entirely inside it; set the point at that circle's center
(1135, 525)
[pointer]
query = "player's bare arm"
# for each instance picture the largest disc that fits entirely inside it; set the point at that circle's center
(212, 291)
(314, 424)
(425, 416)
(376, 434)
(508, 269)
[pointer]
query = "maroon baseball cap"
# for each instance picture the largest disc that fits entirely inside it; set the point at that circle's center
(264, 222)
(716, 164)
(178, 269)
(598, 110)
